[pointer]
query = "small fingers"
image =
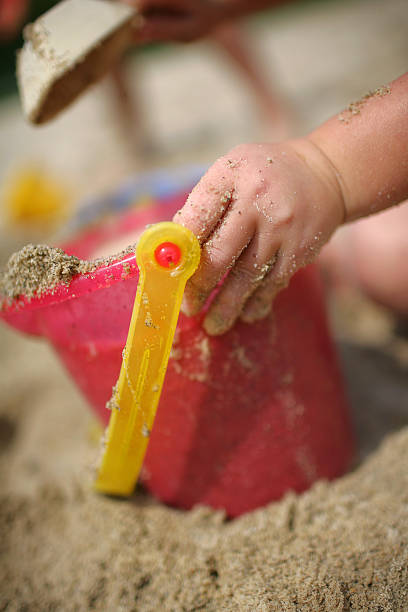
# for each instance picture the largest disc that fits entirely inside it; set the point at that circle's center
(243, 280)
(259, 304)
(218, 255)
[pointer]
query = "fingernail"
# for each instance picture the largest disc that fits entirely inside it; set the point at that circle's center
(215, 325)
(256, 313)
(193, 301)
(191, 306)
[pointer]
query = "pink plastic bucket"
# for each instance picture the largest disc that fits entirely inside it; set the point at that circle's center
(244, 417)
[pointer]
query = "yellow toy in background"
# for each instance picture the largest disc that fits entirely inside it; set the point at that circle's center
(33, 198)
(167, 255)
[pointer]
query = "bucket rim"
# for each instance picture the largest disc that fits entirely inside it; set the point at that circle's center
(160, 186)
(101, 277)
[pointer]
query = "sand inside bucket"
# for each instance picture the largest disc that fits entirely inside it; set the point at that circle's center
(37, 269)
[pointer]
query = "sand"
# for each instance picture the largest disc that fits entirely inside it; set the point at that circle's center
(339, 546)
(37, 269)
(355, 108)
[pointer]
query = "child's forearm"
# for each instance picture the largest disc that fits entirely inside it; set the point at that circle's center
(367, 146)
(265, 210)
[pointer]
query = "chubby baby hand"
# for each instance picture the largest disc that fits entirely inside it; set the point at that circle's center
(261, 212)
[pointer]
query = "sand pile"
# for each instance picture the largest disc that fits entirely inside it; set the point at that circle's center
(37, 269)
(340, 546)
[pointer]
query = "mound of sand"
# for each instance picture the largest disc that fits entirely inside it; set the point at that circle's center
(339, 546)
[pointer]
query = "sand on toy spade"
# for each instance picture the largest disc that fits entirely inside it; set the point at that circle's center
(243, 417)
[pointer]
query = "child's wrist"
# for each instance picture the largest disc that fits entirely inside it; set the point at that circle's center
(325, 171)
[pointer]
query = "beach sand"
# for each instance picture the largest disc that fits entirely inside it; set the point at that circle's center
(340, 546)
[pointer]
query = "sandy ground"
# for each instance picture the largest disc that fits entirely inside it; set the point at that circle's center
(340, 546)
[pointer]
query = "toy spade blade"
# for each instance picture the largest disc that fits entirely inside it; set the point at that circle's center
(67, 49)
(167, 255)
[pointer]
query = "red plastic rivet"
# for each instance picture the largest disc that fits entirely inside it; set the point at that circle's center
(167, 254)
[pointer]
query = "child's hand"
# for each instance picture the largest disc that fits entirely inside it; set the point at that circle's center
(261, 212)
